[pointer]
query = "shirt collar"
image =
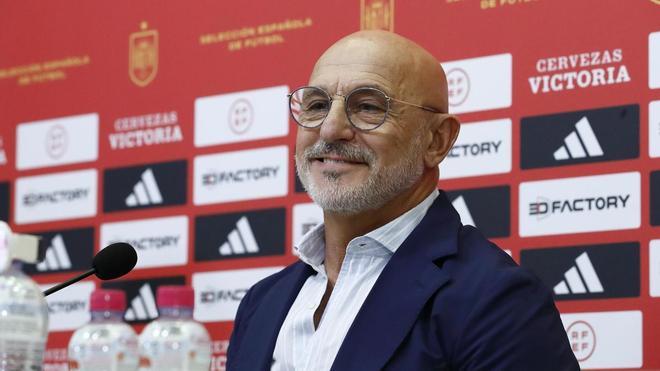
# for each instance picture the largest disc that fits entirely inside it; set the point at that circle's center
(311, 249)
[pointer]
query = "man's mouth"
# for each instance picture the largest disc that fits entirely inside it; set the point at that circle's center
(338, 160)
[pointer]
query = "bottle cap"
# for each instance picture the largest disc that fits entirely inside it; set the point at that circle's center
(103, 299)
(175, 296)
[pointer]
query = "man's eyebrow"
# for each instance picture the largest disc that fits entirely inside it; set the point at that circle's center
(353, 86)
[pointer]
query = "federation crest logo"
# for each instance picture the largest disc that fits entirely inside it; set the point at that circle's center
(377, 15)
(582, 338)
(143, 55)
(241, 116)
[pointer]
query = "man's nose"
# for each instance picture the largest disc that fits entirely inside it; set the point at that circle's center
(336, 125)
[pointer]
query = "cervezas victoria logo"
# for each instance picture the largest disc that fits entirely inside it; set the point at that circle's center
(377, 15)
(579, 71)
(143, 55)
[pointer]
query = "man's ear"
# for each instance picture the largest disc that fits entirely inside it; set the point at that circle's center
(444, 131)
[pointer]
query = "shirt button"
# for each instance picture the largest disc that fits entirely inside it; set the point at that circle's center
(311, 305)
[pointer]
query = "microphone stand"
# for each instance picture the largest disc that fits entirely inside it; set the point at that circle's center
(68, 282)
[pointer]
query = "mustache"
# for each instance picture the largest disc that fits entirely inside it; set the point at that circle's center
(341, 149)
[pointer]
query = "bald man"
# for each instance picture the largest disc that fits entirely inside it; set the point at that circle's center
(391, 279)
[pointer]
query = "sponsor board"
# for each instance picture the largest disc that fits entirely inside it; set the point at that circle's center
(241, 175)
(57, 196)
(145, 186)
(141, 296)
(159, 242)
(60, 141)
(488, 209)
(145, 130)
(240, 235)
(4, 202)
(479, 84)
(581, 204)
(217, 294)
(654, 60)
(305, 217)
(587, 272)
(580, 137)
(605, 339)
(654, 128)
(655, 197)
(69, 309)
(242, 116)
(579, 71)
(67, 250)
(654, 268)
(481, 148)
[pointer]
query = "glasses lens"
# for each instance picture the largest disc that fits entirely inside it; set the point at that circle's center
(309, 106)
(367, 108)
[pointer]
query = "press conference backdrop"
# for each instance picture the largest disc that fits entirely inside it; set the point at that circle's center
(165, 124)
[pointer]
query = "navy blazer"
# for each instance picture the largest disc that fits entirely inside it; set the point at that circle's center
(447, 300)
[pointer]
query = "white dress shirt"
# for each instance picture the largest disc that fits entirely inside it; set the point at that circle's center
(299, 345)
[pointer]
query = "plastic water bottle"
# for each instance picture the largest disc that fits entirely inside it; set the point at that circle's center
(106, 343)
(174, 341)
(23, 308)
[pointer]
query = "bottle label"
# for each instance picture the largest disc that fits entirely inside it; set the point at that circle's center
(23, 322)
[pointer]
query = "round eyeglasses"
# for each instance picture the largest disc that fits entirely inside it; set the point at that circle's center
(366, 107)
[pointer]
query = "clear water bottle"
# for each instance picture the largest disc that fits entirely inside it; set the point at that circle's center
(174, 341)
(106, 343)
(23, 308)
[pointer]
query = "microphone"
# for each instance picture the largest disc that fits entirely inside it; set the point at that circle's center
(114, 261)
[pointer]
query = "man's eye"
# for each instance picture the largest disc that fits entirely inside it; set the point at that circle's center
(369, 107)
(316, 105)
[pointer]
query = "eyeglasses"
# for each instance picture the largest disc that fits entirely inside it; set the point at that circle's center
(366, 107)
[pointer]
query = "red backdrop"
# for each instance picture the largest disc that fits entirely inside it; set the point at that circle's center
(128, 59)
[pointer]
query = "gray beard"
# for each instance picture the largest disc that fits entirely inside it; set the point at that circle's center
(382, 185)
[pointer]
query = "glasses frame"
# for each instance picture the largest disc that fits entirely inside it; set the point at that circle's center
(346, 98)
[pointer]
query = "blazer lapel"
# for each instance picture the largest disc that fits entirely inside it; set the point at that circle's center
(402, 289)
(257, 350)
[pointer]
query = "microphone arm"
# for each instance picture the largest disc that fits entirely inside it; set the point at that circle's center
(68, 282)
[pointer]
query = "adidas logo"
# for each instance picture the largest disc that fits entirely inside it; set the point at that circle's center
(241, 240)
(575, 279)
(463, 211)
(56, 256)
(143, 306)
(145, 192)
(580, 143)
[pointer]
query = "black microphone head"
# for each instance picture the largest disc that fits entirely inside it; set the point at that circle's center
(114, 261)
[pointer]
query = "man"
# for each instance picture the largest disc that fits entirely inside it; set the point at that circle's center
(391, 279)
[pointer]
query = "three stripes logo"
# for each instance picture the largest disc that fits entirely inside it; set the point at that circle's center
(587, 272)
(240, 241)
(240, 235)
(488, 209)
(145, 192)
(141, 296)
(603, 134)
(145, 186)
(66, 250)
(56, 256)
(580, 143)
(142, 307)
(580, 278)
